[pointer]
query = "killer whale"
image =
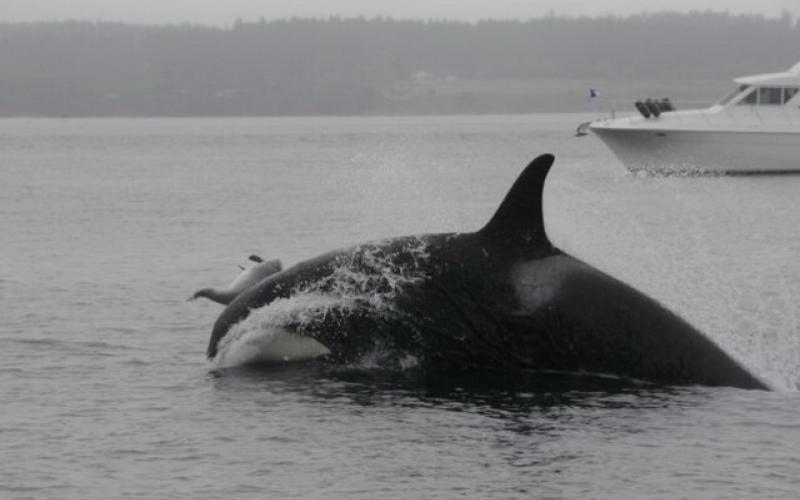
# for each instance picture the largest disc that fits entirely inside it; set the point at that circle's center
(499, 298)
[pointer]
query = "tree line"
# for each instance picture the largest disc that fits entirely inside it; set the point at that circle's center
(371, 66)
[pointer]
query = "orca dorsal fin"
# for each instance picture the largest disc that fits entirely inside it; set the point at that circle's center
(519, 218)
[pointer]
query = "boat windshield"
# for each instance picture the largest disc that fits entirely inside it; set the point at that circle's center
(728, 98)
(770, 96)
(767, 96)
(750, 98)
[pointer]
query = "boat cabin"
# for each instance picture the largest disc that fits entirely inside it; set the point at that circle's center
(770, 89)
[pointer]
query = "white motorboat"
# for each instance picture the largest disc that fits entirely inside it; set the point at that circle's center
(755, 129)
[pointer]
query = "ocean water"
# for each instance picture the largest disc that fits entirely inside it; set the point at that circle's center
(109, 225)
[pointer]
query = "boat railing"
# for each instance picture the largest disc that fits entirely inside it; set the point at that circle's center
(691, 111)
(610, 108)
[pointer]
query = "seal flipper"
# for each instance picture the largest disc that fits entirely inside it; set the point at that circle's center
(519, 220)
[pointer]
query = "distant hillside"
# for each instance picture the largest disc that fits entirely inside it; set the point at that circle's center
(377, 66)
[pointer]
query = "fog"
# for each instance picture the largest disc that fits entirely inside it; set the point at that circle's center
(352, 66)
(214, 12)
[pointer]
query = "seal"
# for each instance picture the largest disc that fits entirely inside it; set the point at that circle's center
(247, 278)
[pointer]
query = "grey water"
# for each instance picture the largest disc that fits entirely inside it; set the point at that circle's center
(109, 225)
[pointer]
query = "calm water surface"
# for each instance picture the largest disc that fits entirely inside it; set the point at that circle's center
(109, 225)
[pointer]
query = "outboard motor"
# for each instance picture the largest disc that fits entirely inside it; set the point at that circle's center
(641, 108)
(653, 107)
(666, 105)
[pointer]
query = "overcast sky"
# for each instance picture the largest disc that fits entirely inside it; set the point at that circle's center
(224, 12)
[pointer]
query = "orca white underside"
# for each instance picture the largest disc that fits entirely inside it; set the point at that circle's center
(275, 346)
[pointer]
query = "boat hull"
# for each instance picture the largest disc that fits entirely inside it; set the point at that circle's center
(703, 151)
